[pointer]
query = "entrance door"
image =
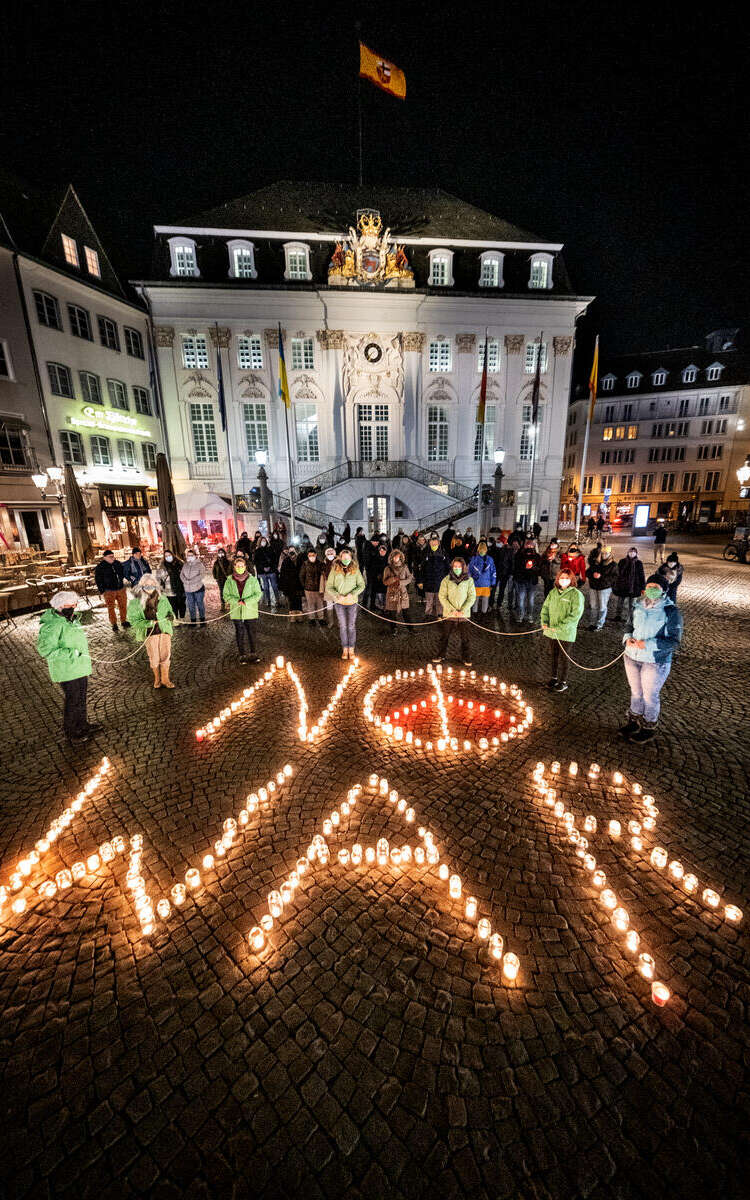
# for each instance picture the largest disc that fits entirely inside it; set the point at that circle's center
(377, 514)
(32, 529)
(372, 432)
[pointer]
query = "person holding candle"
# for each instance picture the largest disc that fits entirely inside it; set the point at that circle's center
(561, 611)
(310, 575)
(151, 617)
(192, 581)
(650, 642)
(323, 600)
(602, 576)
(344, 586)
(457, 595)
(241, 595)
(221, 570)
(482, 571)
(433, 571)
(397, 578)
(630, 582)
(526, 567)
(168, 576)
(289, 582)
(62, 642)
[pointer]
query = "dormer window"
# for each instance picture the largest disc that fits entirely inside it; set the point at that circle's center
(608, 383)
(241, 259)
(541, 271)
(659, 378)
(690, 374)
(633, 380)
(70, 250)
(491, 269)
(297, 261)
(92, 262)
(714, 371)
(441, 268)
(184, 257)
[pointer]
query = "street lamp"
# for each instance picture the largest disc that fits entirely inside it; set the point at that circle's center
(261, 458)
(743, 473)
(499, 460)
(42, 480)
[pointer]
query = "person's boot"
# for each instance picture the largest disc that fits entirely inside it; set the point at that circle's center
(646, 733)
(166, 681)
(630, 727)
(157, 677)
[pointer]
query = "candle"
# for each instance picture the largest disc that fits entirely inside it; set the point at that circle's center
(193, 878)
(615, 829)
(620, 919)
(659, 993)
(659, 857)
(256, 938)
(163, 908)
(496, 945)
(646, 966)
(178, 893)
(511, 966)
(483, 928)
(454, 887)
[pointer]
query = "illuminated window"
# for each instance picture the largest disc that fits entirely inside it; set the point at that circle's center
(620, 433)
(491, 269)
(530, 358)
(690, 374)
(493, 355)
(633, 380)
(437, 433)
(70, 250)
(184, 257)
(607, 383)
(297, 261)
(194, 351)
(607, 433)
(659, 378)
(306, 426)
(541, 271)
(249, 352)
(92, 261)
(439, 355)
(303, 354)
(714, 371)
(632, 432)
(242, 260)
(441, 268)
(101, 454)
(72, 448)
(526, 444)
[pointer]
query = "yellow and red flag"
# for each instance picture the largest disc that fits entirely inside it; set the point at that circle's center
(283, 381)
(594, 379)
(384, 74)
(482, 405)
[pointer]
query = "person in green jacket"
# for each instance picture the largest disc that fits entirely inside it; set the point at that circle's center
(344, 586)
(241, 594)
(62, 641)
(151, 617)
(457, 595)
(561, 611)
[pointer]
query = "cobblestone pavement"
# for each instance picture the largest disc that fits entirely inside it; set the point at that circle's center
(371, 1050)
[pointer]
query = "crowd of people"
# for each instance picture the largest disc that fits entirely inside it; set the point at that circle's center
(455, 576)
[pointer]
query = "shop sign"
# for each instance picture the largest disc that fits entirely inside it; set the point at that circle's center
(108, 422)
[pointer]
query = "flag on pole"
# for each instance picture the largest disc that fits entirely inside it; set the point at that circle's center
(220, 373)
(482, 406)
(594, 378)
(283, 381)
(537, 382)
(384, 74)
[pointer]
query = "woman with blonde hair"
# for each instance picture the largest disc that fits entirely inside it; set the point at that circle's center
(344, 586)
(152, 620)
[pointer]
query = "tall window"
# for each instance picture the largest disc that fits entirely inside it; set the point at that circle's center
(204, 433)
(250, 352)
(489, 435)
(133, 343)
(493, 355)
(626, 484)
(70, 250)
(441, 268)
(47, 310)
(606, 483)
(118, 394)
(101, 454)
(91, 387)
(256, 428)
(60, 380)
(683, 408)
(531, 355)
(242, 260)
(126, 451)
(527, 437)
(714, 372)
(80, 322)
(712, 481)
(690, 374)
(491, 270)
(149, 456)
(632, 432)
(372, 421)
(194, 351)
(306, 425)
(633, 379)
(72, 448)
(440, 356)
(303, 354)
(4, 360)
(704, 405)
(541, 271)
(437, 433)
(92, 261)
(667, 481)
(689, 481)
(184, 258)
(647, 483)
(142, 398)
(297, 261)
(13, 448)
(607, 383)
(108, 335)
(726, 404)
(659, 378)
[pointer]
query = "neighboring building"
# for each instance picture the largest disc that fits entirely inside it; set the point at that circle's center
(93, 402)
(384, 331)
(670, 429)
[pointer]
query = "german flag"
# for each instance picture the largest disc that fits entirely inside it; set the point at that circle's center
(594, 379)
(384, 74)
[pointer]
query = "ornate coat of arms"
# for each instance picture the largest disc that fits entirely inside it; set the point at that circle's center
(369, 256)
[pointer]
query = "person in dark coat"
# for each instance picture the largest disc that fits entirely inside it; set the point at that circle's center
(168, 576)
(136, 566)
(433, 571)
(330, 534)
(377, 567)
(469, 545)
(526, 565)
(629, 582)
(360, 542)
(289, 582)
(221, 570)
(447, 539)
(310, 573)
(276, 545)
(600, 524)
(265, 567)
(602, 576)
(370, 552)
(109, 578)
(503, 555)
(244, 546)
(671, 571)
(347, 534)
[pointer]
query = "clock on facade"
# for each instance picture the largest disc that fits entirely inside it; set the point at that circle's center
(373, 352)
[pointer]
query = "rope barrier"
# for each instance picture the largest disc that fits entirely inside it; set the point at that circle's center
(581, 667)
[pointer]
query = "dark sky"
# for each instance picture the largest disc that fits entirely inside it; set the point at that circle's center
(617, 129)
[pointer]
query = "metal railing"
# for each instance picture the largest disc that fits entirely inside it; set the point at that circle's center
(379, 469)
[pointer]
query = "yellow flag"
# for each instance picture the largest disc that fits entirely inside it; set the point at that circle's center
(384, 74)
(594, 379)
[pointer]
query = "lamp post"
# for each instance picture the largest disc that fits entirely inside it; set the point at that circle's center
(261, 457)
(56, 476)
(499, 460)
(743, 476)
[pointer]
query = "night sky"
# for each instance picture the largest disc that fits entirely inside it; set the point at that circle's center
(619, 132)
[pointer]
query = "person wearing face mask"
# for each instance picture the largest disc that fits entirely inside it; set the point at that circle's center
(457, 595)
(192, 581)
(650, 642)
(221, 570)
(62, 642)
(244, 546)
(289, 582)
(151, 617)
(397, 578)
(550, 566)
(265, 566)
(310, 576)
(482, 571)
(602, 575)
(434, 571)
(561, 611)
(344, 586)
(377, 567)
(526, 566)
(671, 571)
(323, 601)
(109, 577)
(241, 595)
(573, 560)
(630, 582)
(168, 576)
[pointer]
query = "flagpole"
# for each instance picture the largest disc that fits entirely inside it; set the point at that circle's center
(483, 407)
(358, 28)
(534, 418)
(225, 423)
(289, 466)
(593, 382)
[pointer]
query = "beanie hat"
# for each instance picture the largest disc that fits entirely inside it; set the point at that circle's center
(62, 600)
(657, 579)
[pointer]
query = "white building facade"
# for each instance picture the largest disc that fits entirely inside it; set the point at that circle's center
(384, 338)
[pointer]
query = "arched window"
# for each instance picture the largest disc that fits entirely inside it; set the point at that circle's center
(491, 269)
(659, 377)
(690, 374)
(540, 275)
(633, 380)
(607, 383)
(297, 261)
(241, 259)
(183, 256)
(714, 371)
(441, 268)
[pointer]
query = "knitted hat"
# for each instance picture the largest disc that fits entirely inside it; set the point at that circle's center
(657, 579)
(62, 600)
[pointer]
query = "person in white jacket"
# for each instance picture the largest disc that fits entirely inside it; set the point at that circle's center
(195, 592)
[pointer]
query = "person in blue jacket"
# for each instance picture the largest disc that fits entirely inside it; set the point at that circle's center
(136, 566)
(655, 634)
(482, 571)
